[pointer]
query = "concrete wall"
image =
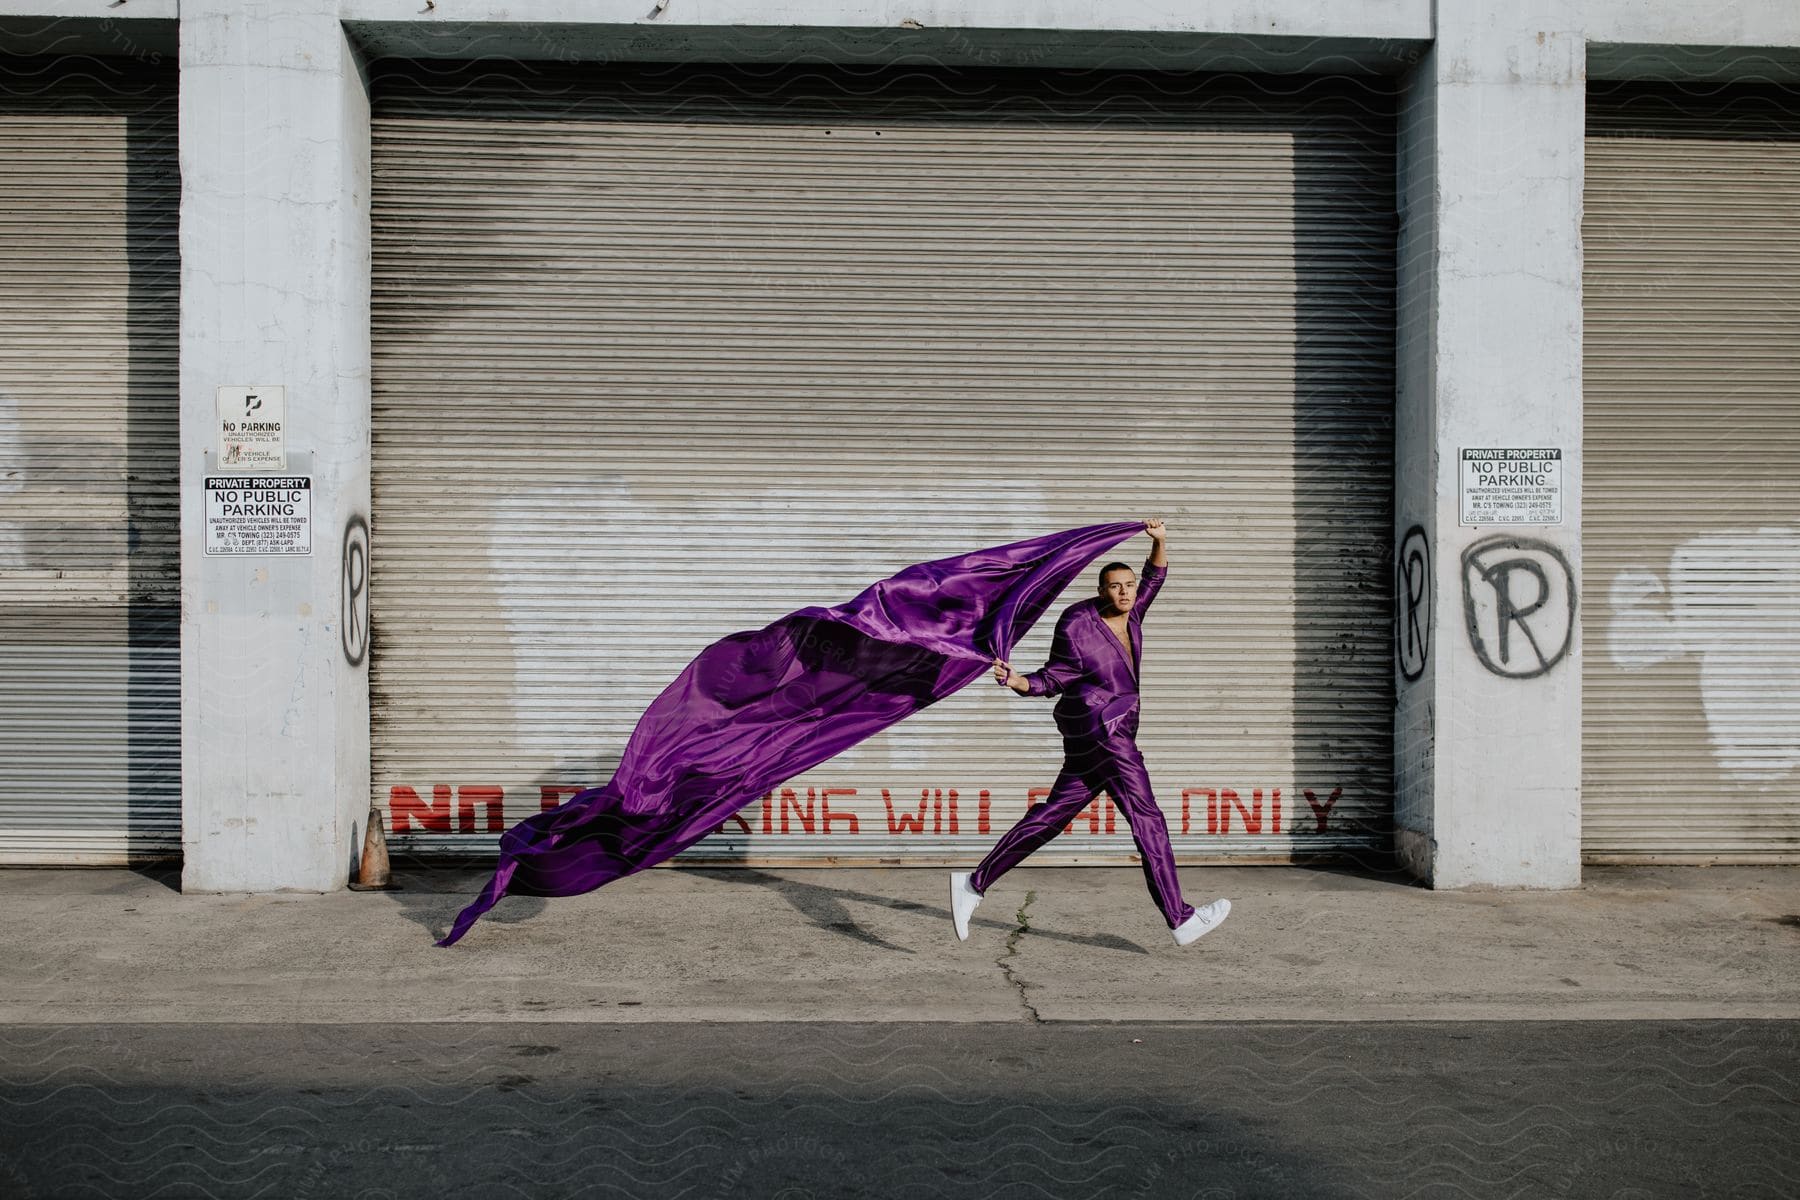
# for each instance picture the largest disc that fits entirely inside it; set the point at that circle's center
(1653, 23)
(1488, 742)
(274, 113)
(1372, 19)
(275, 290)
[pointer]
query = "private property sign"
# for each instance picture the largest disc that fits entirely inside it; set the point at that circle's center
(1512, 487)
(259, 514)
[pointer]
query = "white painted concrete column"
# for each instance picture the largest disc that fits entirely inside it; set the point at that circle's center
(1488, 736)
(274, 290)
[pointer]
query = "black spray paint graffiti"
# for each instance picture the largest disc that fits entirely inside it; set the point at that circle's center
(354, 591)
(1519, 603)
(1412, 597)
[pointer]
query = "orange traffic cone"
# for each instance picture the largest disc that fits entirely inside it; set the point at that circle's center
(372, 872)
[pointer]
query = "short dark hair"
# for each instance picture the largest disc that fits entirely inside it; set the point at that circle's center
(1110, 567)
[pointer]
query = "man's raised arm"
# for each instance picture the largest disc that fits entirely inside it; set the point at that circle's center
(1156, 568)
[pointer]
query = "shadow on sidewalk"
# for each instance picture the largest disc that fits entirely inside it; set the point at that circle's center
(432, 891)
(167, 873)
(824, 906)
(1374, 869)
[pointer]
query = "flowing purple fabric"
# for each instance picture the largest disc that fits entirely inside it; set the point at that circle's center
(758, 708)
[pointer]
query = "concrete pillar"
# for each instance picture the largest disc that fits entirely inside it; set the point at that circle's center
(1488, 727)
(274, 290)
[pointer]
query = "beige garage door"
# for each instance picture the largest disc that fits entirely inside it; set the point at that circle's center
(1691, 682)
(663, 354)
(90, 705)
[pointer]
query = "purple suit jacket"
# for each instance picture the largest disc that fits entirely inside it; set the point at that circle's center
(1089, 669)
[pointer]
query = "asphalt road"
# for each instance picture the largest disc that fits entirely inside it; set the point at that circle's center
(1640, 1109)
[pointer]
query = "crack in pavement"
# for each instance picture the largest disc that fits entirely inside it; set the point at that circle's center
(1012, 949)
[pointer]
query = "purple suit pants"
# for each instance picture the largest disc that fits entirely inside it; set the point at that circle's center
(1112, 764)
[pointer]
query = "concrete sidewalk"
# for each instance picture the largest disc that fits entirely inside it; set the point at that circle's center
(1049, 944)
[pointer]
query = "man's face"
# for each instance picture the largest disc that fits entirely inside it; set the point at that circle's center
(1119, 589)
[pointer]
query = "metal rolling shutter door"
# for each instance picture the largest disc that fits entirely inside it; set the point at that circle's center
(90, 704)
(1691, 679)
(663, 354)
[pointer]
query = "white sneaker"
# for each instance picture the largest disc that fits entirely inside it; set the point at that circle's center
(1204, 921)
(963, 900)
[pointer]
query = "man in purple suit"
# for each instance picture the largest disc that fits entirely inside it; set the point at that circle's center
(1094, 665)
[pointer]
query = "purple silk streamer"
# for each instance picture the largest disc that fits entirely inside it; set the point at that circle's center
(756, 709)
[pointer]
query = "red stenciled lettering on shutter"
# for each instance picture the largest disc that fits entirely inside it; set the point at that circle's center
(1322, 812)
(825, 813)
(406, 809)
(493, 798)
(903, 822)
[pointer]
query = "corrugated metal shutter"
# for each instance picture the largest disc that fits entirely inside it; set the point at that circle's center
(90, 709)
(661, 354)
(1691, 547)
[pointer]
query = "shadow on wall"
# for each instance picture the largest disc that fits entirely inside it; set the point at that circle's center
(1345, 230)
(152, 477)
